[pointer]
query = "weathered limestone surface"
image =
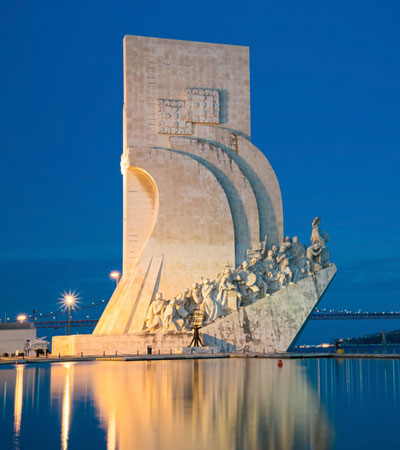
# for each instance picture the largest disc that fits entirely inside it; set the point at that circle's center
(273, 323)
(123, 344)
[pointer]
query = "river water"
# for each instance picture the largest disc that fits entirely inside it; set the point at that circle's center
(222, 404)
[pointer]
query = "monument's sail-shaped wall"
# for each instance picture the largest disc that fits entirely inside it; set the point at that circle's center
(197, 193)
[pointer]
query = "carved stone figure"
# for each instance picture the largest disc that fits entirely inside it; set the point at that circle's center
(181, 312)
(258, 268)
(197, 297)
(247, 284)
(154, 318)
(284, 267)
(314, 256)
(226, 290)
(264, 247)
(297, 248)
(287, 243)
(318, 236)
(325, 257)
(169, 315)
(271, 266)
(298, 252)
(302, 268)
(210, 303)
(267, 272)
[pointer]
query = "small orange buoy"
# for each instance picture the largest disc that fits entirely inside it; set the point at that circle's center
(280, 363)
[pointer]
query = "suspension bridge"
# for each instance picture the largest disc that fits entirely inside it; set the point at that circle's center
(87, 315)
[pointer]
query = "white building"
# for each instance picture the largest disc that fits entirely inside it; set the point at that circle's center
(13, 337)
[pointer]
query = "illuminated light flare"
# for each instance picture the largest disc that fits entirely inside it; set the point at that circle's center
(21, 317)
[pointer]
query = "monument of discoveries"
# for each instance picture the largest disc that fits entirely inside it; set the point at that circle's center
(202, 214)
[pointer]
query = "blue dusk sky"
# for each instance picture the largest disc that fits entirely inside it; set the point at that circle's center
(325, 97)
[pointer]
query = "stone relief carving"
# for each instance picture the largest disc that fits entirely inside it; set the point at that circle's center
(263, 272)
(172, 117)
(176, 116)
(202, 105)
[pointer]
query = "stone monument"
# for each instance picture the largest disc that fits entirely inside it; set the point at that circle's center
(202, 214)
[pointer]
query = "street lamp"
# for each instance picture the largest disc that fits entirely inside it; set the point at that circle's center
(21, 317)
(115, 275)
(69, 300)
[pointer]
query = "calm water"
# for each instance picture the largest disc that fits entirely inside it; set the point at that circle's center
(210, 404)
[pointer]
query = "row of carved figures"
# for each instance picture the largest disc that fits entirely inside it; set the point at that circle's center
(263, 272)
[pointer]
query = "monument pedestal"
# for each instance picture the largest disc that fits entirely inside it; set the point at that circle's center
(120, 344)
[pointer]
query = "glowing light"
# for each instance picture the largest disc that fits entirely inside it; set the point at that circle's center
(69, 300)
(21, 317)
(115, 275)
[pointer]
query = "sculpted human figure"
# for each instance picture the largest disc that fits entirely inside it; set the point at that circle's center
(298, 248)
(264, 248)
(169, 315)
(154, 318)
(287, 243)
(247, 284)
(181, 318)
(298, 251)
(318, 236)
(225, 287)
(258, 268)
(271, 269)
(325, 257)
(211, 306)
(314, 256)
(284, 268)
(196, 296)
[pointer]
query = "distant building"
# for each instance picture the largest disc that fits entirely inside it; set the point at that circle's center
(13, 337)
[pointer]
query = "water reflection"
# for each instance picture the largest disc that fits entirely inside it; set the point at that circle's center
(63, 393)
(224, 404)
(111, 433)
(66, 410)
(209, 404)
(18, 398)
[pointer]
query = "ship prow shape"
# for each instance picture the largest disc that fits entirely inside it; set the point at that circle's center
(273, 323)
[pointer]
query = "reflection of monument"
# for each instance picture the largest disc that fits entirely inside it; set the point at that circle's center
(230, 404)
(203, 221)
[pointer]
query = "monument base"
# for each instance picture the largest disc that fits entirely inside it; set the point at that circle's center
(120, 344)
(195, 350)
(271, 324)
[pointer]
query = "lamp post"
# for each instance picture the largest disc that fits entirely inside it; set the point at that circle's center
(115, 275)
(69, 302)
(21, 317)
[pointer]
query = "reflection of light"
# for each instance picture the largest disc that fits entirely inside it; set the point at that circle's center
(111, 436)
(18, 397)
(66, 410)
